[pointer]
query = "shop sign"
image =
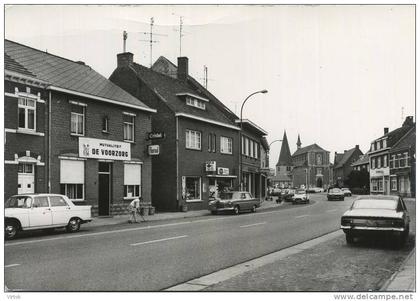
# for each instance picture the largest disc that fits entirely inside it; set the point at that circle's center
(211, 166)
(156, 135)
(222, 171)
(104, 149)
(154, 150)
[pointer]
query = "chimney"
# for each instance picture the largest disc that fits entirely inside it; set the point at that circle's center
(386, 130)
(124, 59)
(357, 146)
(182, 73)
(408, 121)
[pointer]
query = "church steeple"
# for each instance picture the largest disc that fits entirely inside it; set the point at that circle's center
(285, 158)
(298, 143)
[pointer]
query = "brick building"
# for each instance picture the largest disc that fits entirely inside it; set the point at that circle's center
(379, 157)
(342, 164)
(69, 130)
(311, 166)
(199, 154)
(362, 163)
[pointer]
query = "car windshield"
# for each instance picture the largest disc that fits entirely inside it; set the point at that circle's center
(375, 204)
(226, 195)
(335, 190)
(18, 202)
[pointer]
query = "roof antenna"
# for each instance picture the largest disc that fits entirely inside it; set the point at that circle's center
(151, 41)
(124, 40)
(402, 113)
(180, 35)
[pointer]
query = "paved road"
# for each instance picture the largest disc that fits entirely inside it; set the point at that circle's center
(151, 258)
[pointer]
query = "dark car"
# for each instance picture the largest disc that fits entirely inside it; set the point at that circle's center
(376, 214)
(234, 201)
(335, 194)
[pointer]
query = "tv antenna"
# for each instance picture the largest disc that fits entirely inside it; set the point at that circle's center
(181, 33)
(151, 40)
(205, 78)
(402, 113)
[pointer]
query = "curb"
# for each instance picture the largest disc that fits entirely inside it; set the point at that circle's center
(388, 282)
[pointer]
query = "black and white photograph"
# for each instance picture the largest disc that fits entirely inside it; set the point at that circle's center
(192, 149)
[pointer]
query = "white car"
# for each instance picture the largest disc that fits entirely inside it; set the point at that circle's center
(43, 211)
(300, 196)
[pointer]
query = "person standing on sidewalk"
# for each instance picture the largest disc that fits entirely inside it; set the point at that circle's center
(134, 208)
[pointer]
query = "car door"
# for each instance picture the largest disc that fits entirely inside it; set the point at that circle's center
(40, 213)
(60, 210)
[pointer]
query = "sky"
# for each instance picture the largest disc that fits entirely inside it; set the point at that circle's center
(335, 75)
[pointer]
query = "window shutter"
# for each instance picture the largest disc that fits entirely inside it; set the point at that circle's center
(132, 174)
(72, 172)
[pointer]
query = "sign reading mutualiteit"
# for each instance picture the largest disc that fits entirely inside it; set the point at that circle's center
(104, 149)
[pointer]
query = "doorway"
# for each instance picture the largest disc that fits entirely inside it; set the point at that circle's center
(26, 178)
(104, 195)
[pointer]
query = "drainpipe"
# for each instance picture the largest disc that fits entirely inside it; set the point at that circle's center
(177, 159)
(49, 142)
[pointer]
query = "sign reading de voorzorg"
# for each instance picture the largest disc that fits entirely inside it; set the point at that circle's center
(104, 149)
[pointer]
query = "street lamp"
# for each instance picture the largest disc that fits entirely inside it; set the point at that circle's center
(240, 135)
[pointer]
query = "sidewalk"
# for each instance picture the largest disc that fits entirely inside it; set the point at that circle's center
(159, 216)
(405, 278)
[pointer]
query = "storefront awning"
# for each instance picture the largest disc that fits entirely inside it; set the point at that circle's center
(221, 176)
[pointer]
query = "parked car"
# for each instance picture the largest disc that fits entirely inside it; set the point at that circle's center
(43, 211)
(318, 189)
(376, 214)
(335, 194)
(288, 195)
(234, 201)
(300, 196)
(275, 192)
(346, 191)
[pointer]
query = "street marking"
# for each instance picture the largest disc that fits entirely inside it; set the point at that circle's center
(302, 216)
(11, 265)
(332, 210)
(158, 240)
(251, 225)
(203, 282)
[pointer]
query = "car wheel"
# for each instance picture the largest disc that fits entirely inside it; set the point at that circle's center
(10, 230)
(403, 237)
(73, 225)
(349, 238)
(254, 209)
(236, 210)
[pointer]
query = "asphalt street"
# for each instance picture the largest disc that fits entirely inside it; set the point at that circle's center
(160, 255)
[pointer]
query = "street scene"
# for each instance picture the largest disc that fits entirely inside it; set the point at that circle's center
(210, 148)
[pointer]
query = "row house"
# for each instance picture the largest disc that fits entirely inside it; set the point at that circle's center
(379, 157)
(362, 163)
(311, 166)
(342, 164)
(70, 130)
(199, 141)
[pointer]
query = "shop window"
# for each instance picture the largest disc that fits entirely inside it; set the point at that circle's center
(394, 183)
(225, 145)
(374, 184)
(128, 121)
(132, 180)
(193, 139)
(380, 185)
(77, 120)
(72, 191)
(26, 113)
(193, 188)
(72, 179)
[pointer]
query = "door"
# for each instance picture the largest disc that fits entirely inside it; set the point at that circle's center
(104, 175)
(26, 178)
(60, 210)
(40, 213)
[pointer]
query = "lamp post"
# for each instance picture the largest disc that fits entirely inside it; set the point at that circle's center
(240, 136)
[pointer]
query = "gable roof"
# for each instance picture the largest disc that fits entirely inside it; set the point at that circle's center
(408, 140)
(66, 76)
(309, 148)
(363, 159)
(345, 157)
(285, 158)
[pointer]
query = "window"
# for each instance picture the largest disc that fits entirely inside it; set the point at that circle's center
(384, 143)
(394, 183)
(391, 161)
(192, 188)
(195, 103)
(72, 191)
(193, 139)
(251, 149)
(379, 162)
(41, 201)
(26, 113)
(372, 163)
(105, 125)
(77, 120)
(246, 147)
(243, 145)
(57, 201)
(378, 145)
(256, 151)
(72, 179)
(380, 185)
(381, 145)
(132, 180)
(374, 185)
(225, 145)
(288, 168)
(212, 143)
(128, 121)
(319, 171)
(319, 159)
(385, 161)
(25, 168)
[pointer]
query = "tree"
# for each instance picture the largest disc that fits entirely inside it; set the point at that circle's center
(358, 179)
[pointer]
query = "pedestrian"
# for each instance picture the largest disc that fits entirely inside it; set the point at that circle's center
(134, 207)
